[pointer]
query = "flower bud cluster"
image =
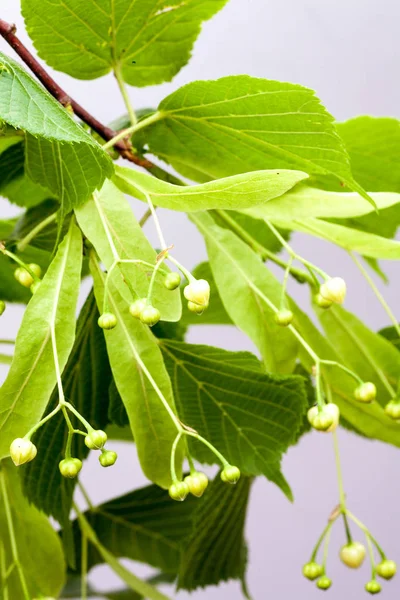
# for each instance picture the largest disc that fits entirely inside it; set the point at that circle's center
(324, 418)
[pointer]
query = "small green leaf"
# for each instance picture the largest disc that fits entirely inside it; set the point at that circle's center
(37, 543)
(236, 124)
(108, 216)
(147, 44)
(216, 550)
(239, 191)
(239, 273)
(134, 357)
(250, 416)
(59, 154)
(32, 376)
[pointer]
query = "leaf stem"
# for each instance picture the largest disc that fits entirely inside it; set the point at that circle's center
(173, 452)
(377, 293)
(125, 95)
(22, 244)
(129, 131)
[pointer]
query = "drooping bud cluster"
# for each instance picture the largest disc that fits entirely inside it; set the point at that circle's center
(324, 418)
(197, 293)
(334, 290)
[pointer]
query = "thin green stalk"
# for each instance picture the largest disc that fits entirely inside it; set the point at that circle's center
(146, 217)
(7, 341)
(13, 540)
(365, 529)
(155, 219)
(318, 387)
(43, 421)
(345, 369)
(125, 95)
(61, 398)
(84, 566)
(20, 262)
(129, 131)
(69, 444)
(22, 244)
(342, 496)
(173, 452)
(190, 461)
(182, 269)
(371, 556)
(84, 493)
(284, 283)
(153, 278)
(377, 293)
(78, 416)
(320, 540)
(198, 437)
(326, 548)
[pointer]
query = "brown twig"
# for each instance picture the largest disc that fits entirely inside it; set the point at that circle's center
(124, 148)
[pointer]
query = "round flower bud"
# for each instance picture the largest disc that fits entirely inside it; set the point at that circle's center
(23, 277)
(284, 318)
(312, 570)
(2, 307)
(137, 307)
(324, 583)
(36, 269)
(353, 555)
(230, 474)
(322, 302)
(392, 409)
(108, 458)
(324, 419)
(198, 309)
(198, 291)
(96, 439)
(35, 286)
(178, 491)
(150, 315)
(366, 392)
(373, 587)
(386, 569)
(334, 290)
(70, 467)
(107, 321)
(197, 483)
(172, 281)
(22, 451)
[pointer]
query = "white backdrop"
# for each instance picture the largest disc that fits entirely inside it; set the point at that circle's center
(348, 51)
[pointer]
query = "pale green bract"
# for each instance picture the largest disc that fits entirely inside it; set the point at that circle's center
(38, 545)
(239, 191)
(147, 41)
(152, 427)
(59, 154)
(212, 129)
(32, 376)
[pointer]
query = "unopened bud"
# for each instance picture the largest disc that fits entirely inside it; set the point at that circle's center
(312, 570)
(137, 307)
(96, 439)
(178, 491)
(197, 483)
(172, 281)
(230, 474)
(334, 290)
(386, 569)
(22, 451)
(324, 583)
(23, 277)
(198, 309)
(373, 587)
(392, 409)
(70, 467)
(366, 392)
(284, 318)
(108, 458)
(198, 292)
(107, 321)
(150, 315)
(322, 302)
(325, 418)
(353, 555)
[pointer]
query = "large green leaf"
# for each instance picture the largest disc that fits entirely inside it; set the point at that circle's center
(135, 358)
(59, 154)
(250, 416)
(32, 376)
(216, 550)
(368, 244)
(86, 380)
(239, 191)
(148, 42)
(109, 214)
(371, 356)
(144, 525)
(212, 129)
(239, 273)
(37, 543)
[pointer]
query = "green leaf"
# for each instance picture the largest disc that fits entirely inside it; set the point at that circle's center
(239, 274)
(367, 244)
(135, 358)
(59, 154)
(239, 191)
(86, 379)
(250, 416)
(390, 333)
(215, 313)
(37, 543)
(32, 376)
(216, 551)
(109, 217)
(144, 525)
(367, 353)
(25, 227)
(368, 419)
(240, 123)
(147, 44)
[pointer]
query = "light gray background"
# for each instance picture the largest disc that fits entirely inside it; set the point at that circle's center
(348, 51)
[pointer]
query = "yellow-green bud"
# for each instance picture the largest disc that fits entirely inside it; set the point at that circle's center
(22, 451)
(198, 309)
(70, 467)
(230, 474)
(107, 321)
(178, 491)
(108, 458)
(392, 409)
(334, 290)
(137, 307)
(284, 318)
(325, 419)
(23, 277)
(36, 269)
(150, 315)
(386, 569)
(312, 570)
(197, 483)
(324, 583)
(373, 587)
(172, 281)
(322, 302)
(353, 555)
(95, 439)
(366, 392)
(198, 291)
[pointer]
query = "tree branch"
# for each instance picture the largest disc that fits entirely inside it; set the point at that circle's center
(124, 148)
